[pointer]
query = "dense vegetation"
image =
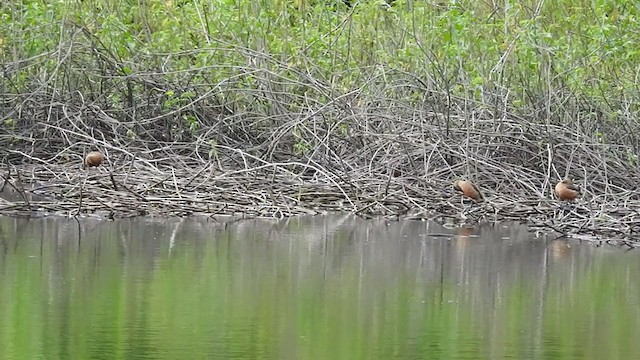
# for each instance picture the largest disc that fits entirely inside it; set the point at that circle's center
(514, 94)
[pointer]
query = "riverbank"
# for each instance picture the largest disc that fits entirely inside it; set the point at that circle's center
(130, 187)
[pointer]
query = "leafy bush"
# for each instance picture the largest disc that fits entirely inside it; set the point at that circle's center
(189, 63)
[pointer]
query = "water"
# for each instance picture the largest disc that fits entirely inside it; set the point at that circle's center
(310, 288)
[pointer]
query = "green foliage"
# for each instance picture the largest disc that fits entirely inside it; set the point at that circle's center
(174, 101)
(513, 49)
(10, 124)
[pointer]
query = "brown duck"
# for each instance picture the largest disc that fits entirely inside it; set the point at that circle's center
(468, 189)
(566, 191)
(93, 159)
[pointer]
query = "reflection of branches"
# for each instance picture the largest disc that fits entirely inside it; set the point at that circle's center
(172, 238)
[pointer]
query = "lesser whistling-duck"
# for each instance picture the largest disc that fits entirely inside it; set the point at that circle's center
(566, 191)
(468, 189)
(94, 158)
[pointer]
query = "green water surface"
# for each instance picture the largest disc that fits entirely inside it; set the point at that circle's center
(334, 287)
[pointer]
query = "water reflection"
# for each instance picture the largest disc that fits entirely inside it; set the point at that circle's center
(309, 288)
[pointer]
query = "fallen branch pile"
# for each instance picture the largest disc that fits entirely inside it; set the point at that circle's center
(398, 176)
